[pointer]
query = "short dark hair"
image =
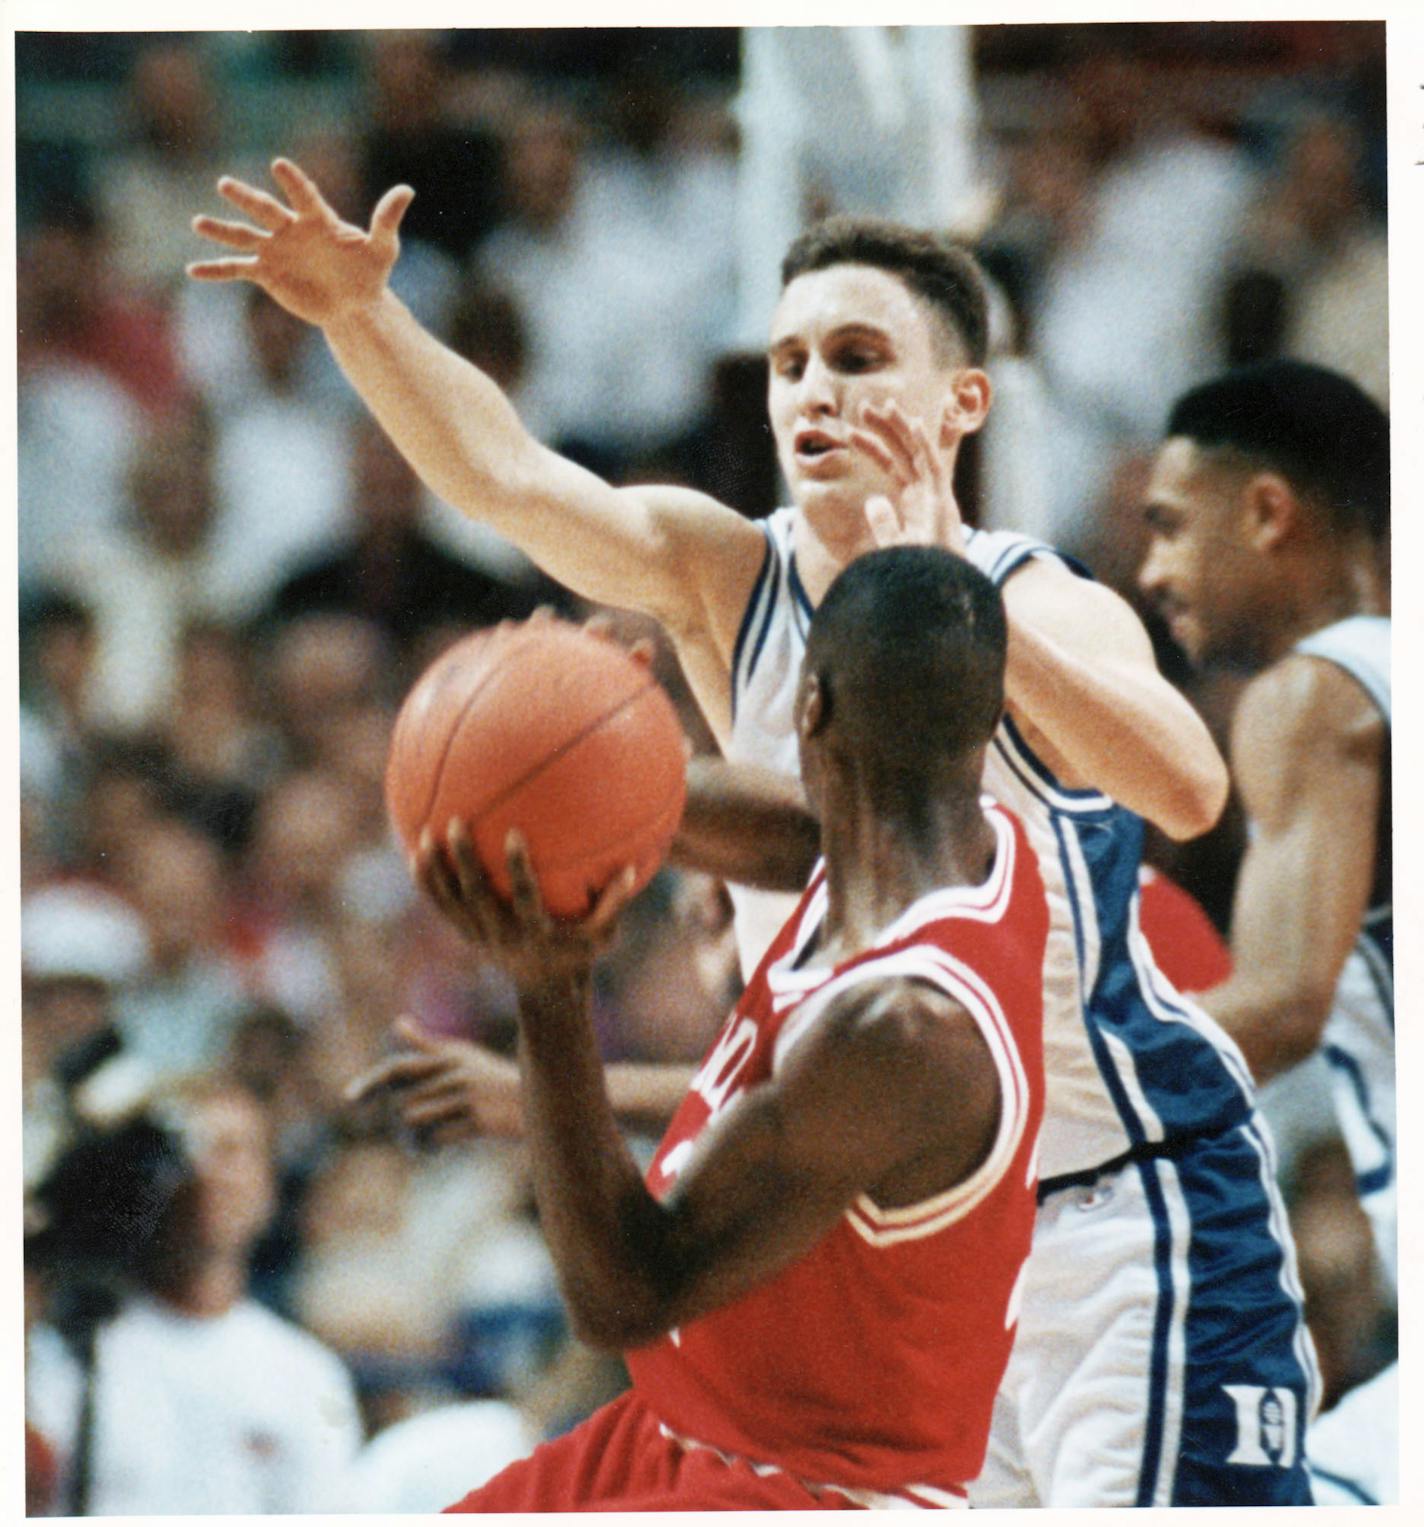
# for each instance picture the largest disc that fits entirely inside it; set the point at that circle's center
(932, 265)
(909, 643)
(1318, 429)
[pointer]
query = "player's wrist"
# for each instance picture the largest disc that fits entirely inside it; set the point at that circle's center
(359, 315)
(556, 986)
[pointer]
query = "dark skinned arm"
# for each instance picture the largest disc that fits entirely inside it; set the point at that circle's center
(445, 1090)
(1307, 748)
(748, 825)
(892, 1092)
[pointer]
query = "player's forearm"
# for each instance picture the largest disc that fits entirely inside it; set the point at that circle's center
(746, 825)
(1276, 1021)
(645, 1095)
(462, 436)
(596, 1213)
(1124, 731)
(449, 420)
(1292, 926)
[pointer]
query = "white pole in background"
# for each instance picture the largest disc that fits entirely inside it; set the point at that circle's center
(869, 120)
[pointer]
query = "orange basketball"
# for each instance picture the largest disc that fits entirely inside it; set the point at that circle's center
(542, 727)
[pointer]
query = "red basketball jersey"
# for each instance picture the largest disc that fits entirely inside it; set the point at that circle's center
(872, 1362)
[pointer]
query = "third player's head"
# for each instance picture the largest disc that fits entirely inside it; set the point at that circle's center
(903, 680)
(870, 311)
(1269, 494)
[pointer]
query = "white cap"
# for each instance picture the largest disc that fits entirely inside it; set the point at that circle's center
(83, 933)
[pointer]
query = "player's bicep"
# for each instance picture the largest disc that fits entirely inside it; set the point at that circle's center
(891, 1092)
(1083, 617)
(674, 554)
(1083, 682)
(1305, 755)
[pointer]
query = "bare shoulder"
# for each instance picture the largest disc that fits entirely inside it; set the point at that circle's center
(915, 1055)
(901, 1013)
(907, 1038)
(717, 553)
(1305, 740)
(1303, 702)
(690, 512)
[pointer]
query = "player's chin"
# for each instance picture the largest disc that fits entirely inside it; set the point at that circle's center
(1187, 633)
(845, 491)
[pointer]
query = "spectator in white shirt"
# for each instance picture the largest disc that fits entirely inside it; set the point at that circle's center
(203, 1400)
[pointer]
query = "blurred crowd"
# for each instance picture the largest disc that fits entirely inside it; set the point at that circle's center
(228, 579)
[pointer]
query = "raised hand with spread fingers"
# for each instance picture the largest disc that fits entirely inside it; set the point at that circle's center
(301, 253)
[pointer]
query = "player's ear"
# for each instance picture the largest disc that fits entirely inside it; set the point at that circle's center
(1272, 510)
(814, 709)
(967, 406)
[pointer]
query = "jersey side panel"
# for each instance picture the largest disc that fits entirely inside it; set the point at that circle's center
(766, 668)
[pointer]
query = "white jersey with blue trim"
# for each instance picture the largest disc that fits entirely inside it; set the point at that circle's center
(1131, 1064)
(1358, 1042)
(766, 666)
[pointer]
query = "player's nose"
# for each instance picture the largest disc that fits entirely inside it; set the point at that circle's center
(1151, 574)
(816, 390)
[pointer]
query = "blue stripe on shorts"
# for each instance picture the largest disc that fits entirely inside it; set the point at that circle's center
(1248, 1367)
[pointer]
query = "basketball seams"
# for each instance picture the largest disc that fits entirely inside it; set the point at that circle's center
(564, 748)
(494, 666)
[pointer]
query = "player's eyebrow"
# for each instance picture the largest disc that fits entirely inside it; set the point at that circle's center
(855, 327)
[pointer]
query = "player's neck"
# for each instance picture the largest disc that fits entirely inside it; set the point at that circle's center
(825, 540)
(878, 864)
(1353, 582)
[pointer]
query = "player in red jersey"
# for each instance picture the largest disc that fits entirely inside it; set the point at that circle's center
(815, 1287)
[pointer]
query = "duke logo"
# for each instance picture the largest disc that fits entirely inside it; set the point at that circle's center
(1265, 1426)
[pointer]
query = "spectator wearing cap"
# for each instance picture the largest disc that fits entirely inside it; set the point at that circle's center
(79, 948)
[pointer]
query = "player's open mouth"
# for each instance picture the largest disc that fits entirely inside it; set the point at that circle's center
(815, 445)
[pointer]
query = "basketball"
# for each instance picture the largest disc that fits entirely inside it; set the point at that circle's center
(542, 727)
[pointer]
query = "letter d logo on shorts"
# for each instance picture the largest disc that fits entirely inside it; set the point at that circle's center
(1265, 1426)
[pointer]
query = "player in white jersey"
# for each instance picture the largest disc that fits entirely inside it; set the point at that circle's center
(876, 376)
(1268, 508)
(1159, 1243)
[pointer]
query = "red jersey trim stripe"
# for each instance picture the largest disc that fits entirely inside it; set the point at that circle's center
(906, 1498)
(985, 903)
(885, 1227)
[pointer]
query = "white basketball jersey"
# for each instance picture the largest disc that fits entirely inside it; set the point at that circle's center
(1358, 1042)
(1131, 1064)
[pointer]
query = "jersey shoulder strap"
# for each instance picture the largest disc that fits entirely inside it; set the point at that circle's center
(998, 553)
(767, 596)
(1360, 645)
